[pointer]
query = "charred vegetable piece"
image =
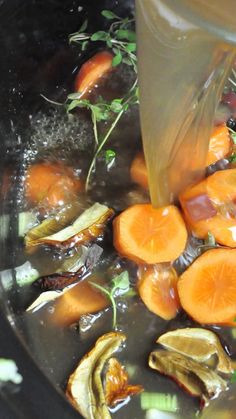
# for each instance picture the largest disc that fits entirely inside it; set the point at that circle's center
(198, 344)
(197, 379)
(91, 71)
(85, 389)
(59, 280)
(53, 224)
(117, 388)
(88, 226)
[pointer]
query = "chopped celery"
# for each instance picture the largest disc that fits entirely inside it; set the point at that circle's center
(233, 331)
(9, 371)
(26, 221)
(157, 414)
(159, 401)
(25, 274)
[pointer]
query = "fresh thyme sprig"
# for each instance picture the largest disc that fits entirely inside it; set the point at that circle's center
(121, 39)
(120, 285)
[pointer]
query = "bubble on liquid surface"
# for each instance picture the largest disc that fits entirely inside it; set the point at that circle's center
(58, 135)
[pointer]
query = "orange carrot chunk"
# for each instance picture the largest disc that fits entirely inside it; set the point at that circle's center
(92, 70)
(220, 144)
(52, 183)
(222, 224)
(79, 300)
(138, 171)
(157, 287)
(148, 235)
(221, 186)
(207, 289)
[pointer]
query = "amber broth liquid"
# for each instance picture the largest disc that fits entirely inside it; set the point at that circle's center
(182, 72)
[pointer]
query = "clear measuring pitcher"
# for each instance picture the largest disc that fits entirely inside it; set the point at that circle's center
(185, 53)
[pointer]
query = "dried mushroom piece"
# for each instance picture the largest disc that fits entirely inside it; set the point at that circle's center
(84, 388)
(117, 388)
(197, 379)
(198, 344)
(88, 226)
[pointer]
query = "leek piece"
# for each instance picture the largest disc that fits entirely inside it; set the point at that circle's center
(233, 331)
(26, 220)
(159, 401)
(157, 414)
(25, 274)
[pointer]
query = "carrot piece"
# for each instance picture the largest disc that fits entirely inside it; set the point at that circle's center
(223, 227)
(148, 235)
(221, 186)
(207, 289)
(52, 182)
(79, 300)
(220, 144)
(138, 171)
(92, 70)
(157, 287)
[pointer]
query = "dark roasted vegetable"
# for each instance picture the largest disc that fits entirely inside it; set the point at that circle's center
(198, 379)
(85, 389)
(87, 227)
(53, 224)
(59, 280)
(198, 344)
(117, 388)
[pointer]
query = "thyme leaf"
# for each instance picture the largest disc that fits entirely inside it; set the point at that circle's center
(120, 285)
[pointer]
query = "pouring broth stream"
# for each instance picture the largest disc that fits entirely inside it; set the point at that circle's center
(183, 68)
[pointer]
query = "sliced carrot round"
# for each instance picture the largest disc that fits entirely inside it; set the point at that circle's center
(148, 235)
(157, 287)
(92, 70)
(219, 145)
(207, 289)
(138, 171)
(53, 183)
(221, 186)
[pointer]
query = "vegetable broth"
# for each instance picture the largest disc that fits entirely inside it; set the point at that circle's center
(183, 69)
(56, 347)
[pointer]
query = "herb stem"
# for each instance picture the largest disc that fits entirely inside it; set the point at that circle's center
(103, 142)
(111, 298)
(95, 128)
